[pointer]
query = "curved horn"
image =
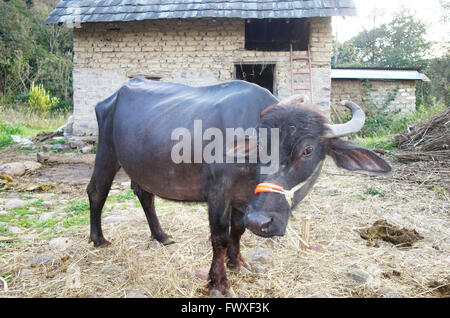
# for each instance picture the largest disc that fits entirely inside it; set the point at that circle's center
(294, 99)
(350, 127)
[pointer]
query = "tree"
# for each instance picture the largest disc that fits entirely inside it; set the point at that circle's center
(401, 43)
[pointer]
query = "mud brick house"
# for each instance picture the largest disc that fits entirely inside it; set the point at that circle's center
(198, 43)
(393, 89)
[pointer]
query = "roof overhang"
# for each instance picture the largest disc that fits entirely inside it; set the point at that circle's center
(374, 74)
(85, 11)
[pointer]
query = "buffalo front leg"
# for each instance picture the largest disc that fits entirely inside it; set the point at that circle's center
(219, 221)
(147, 200)
(235, 260)
(98, 190)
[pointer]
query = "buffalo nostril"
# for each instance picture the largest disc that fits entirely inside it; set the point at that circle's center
(258, 221)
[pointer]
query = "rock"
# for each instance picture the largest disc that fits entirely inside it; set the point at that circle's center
(113, 219)
(320, 296)
(388, 292)
(46, 216)
(202, 273)
(32, 209)
(257, 269)
(259, 255)
(77, 144)
(68, 127)
(32, 165)
(26, 272)
(59, 243)
(111, 270)
(135, 294)
(14, 230)
(317, 247)
(40, 259)
(13, 169)
(358, 275)
(47, 148)
(22, 141)
(42, 157)
(86, 149)
(14, 204)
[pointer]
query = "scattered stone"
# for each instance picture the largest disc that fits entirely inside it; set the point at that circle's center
(77, 144)
(320, 296)
(86, 149)
(46, 216)
(26, 272)
(14, 230)
(40, 259)
(113, 219)
(59, 243)
(135, 294)
(68, 127)
(32, 209)
(13, 169)
(47, 148)
(61, 147)
(358, 275)
(259, 255)
(258, 269)
(111, 270)
(317, 247)
(202, 273)
(388, 292)
(32, 166)
(14, 204)
(172, 247)
(22, 141)
(42, 157)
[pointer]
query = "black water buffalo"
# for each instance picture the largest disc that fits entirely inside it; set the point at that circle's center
(135, 133)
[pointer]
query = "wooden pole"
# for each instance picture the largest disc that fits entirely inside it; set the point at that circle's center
(304, 242)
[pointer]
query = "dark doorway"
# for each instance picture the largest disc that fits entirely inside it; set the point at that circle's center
(260, 74)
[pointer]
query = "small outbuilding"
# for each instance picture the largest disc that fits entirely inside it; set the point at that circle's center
(393, 89)
(199, 43)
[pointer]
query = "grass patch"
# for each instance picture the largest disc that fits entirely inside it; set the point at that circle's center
(21, 121)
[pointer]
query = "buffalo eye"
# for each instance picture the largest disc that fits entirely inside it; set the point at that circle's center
(308, 150)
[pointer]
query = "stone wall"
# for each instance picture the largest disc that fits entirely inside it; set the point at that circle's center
(395, 94)
(192, 51)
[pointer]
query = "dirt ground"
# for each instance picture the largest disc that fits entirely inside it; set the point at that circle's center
(44, 250)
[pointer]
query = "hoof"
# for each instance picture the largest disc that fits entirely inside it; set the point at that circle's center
(167, 241)
(100, 243)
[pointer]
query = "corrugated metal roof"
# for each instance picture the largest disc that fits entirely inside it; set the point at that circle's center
(135, 10)
(378, 74)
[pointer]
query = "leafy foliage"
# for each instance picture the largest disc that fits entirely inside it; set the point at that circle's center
(39, 99)
(33, 52)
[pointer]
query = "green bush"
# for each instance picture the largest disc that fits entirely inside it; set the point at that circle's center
(39, 99)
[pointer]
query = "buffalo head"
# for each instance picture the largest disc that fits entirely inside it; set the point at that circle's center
(305, 138)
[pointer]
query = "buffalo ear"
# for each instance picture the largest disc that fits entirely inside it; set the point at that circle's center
(242, 148)
(349, 156)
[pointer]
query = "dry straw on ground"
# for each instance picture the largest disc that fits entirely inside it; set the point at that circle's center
(339, 207)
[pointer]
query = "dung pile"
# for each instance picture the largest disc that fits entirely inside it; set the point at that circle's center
(381, 229)
(429, 140)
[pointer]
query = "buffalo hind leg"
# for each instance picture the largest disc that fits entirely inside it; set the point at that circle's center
(98, 190)
(147, 200)
(235, 260)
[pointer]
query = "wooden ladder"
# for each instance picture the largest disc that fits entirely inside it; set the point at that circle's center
(309, 73)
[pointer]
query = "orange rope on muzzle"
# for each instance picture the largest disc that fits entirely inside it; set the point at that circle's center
(268, 187)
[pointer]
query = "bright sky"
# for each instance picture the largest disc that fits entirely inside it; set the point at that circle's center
(429, 11)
